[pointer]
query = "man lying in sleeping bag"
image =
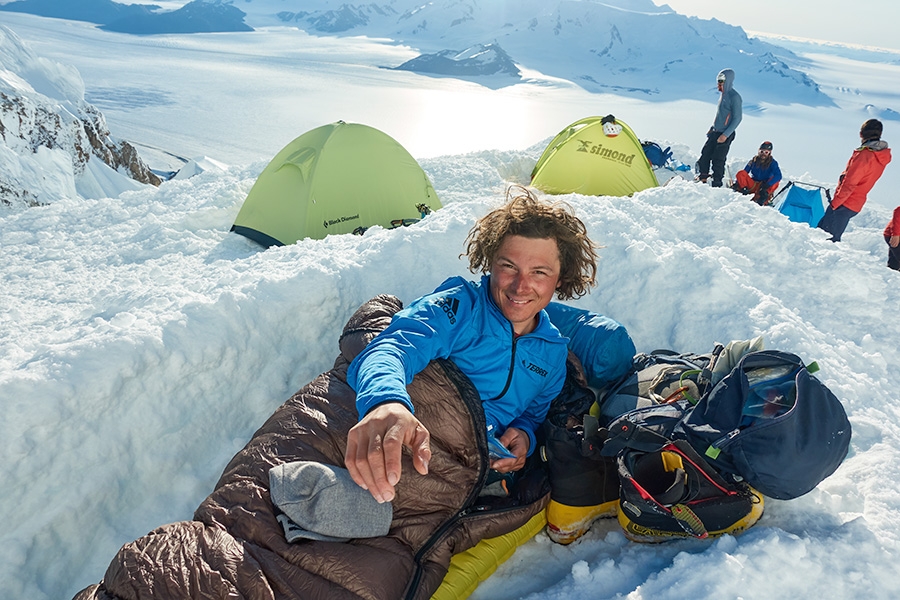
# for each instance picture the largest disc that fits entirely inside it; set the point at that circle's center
(499, 331)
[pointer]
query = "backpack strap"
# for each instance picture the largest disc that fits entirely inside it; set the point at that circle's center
(594, 436)
(628, 434)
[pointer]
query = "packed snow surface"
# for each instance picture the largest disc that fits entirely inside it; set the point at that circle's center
(142, 343)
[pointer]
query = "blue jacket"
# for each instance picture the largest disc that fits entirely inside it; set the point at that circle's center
(768, 176)
(516, 379)
(729, 112)
(603, 346)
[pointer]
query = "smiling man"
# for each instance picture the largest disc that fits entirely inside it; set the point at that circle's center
(495, 330)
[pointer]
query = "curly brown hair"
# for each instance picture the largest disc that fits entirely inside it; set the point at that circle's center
(527, 216)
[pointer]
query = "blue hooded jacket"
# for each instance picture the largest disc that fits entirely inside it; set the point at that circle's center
(729, 111)
(516, 378)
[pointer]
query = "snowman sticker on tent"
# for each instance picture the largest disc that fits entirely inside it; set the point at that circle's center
(610, 127)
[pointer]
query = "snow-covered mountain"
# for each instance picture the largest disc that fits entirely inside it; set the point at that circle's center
(609, 46)
(475, 61)
(92, 11)
(194, 17)
(54, 144)
(198, 16)
(612, 46)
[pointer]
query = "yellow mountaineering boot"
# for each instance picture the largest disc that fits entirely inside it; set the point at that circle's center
(565, 523)
(584, 485)
(673, 493)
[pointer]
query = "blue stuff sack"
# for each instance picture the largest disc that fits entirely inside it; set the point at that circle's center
(655, 153)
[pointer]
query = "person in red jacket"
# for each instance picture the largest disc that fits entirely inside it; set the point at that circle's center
(892, 237)
(862, 171)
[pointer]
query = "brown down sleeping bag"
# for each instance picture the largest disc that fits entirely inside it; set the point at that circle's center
(235, 548)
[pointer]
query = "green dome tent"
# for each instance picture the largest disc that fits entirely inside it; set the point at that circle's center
(596, 156)
(338, 178)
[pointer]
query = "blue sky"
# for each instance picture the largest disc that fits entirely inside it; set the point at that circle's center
(865, 22)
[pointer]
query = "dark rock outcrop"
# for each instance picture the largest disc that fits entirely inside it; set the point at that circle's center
(480, 59)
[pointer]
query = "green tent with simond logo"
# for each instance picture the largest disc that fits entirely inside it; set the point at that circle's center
(596, 156)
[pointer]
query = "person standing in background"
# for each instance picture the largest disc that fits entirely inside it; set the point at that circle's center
(865, 166)
(892, 238)
(721, 134)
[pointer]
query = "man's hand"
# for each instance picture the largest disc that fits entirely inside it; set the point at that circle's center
(375, 446)
(894, 241)
(517, 442)
(722, 138)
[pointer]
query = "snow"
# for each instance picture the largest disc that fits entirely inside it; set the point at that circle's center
(100, 181)
(198, 165)
(142, 344)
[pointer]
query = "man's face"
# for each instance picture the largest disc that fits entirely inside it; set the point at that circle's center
(524, 276)
(720, 83)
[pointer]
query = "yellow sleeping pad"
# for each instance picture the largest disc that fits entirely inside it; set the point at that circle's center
(468, 569)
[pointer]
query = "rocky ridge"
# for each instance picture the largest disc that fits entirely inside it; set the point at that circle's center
(49, 135)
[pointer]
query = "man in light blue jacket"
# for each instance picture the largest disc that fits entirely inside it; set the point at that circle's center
(721, 134)
(497, 332)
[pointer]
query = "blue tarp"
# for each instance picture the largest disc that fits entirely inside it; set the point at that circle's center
(803, 206)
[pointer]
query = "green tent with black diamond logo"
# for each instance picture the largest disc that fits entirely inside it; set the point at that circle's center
(338, 178)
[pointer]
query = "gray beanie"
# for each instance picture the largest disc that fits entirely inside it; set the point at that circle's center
(322, 502)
